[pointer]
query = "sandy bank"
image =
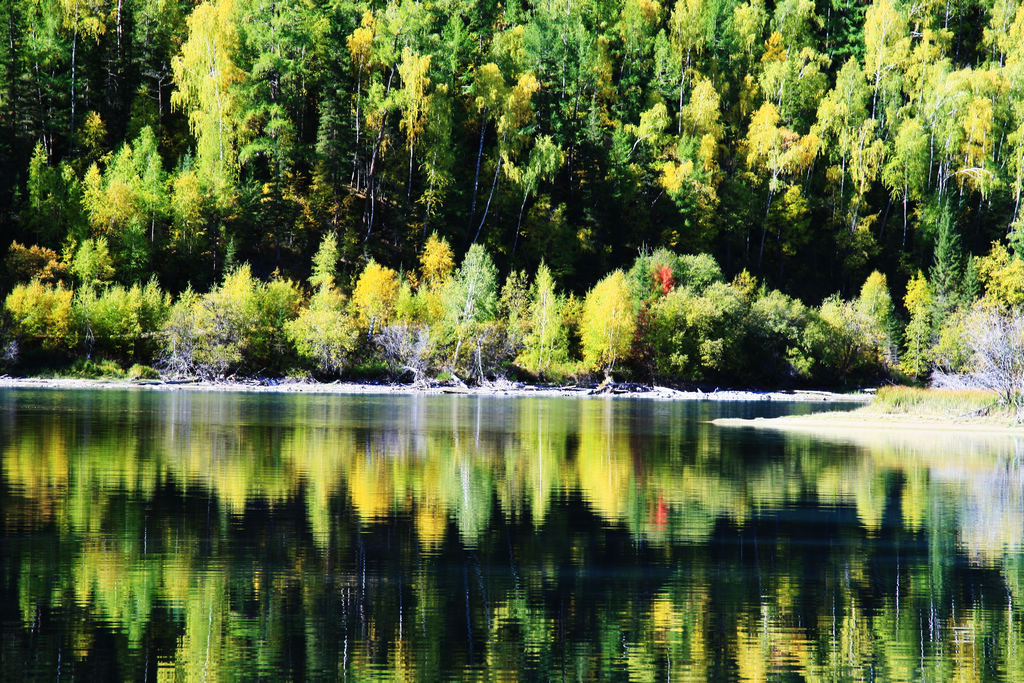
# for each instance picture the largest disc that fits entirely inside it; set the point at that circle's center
(511, 389)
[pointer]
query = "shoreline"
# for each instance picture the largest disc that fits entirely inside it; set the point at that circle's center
(496, 389)
(853, 422)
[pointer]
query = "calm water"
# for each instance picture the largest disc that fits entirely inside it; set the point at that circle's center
(211, 536)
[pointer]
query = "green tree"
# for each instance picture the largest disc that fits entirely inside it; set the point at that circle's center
(470, 299)
(545, 348)
(92, 264)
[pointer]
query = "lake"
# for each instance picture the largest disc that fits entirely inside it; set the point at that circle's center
(190, 535)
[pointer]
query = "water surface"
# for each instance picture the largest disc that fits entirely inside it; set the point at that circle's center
(219, 536)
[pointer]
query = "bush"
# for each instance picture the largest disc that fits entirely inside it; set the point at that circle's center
(41, 317)
(838, 346)
(267, 347)
(697, 337)
(95, 369)
(407, 348)
(469, 299)
(324, 333)
(546, 345)
(24, 264)
(181, 336)
(227, 317)
(122, 323)
(775, 328)
(239, 325)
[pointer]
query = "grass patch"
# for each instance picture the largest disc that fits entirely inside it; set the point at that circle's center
(142, 372)
(93, 369)
(944, 403)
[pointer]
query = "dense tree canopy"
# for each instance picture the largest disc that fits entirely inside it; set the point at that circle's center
(806, 144)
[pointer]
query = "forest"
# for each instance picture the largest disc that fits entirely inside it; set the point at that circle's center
(702, 190)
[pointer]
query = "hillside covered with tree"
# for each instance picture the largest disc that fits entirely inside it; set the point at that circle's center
(795, 150)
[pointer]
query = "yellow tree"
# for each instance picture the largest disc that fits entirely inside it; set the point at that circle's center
(374, 296)
(360, 44)
(608, 323)
(886, 48)
(976, 146)
(414, 70)
(204, 73)
(776, 151)
(437, 261)
(690, 27)
(917, 355)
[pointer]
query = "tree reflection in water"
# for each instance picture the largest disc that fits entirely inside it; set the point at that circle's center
(213, 536)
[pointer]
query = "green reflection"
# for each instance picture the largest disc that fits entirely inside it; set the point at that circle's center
(197, 536)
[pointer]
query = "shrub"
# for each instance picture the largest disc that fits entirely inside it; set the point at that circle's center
(181, 336)
(546, 345)
(697, 336)
(86, 368)
(406, 348)
(324, 333)
(41, 317)
(242, 324)
(997, 352)
(775, 327)
(268, 347)
(837, 345)
(227, 317)
(122, 323)
(469, 299)
(24, 264)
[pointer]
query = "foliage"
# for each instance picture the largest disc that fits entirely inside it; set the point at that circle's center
(41, 317)
(545, 347)
(809, 145)
(92, 265)
(470, 299)
(34, 263)
(608, 323)
(373, 298)
(122, 323)
(919, 302)
(324, 333)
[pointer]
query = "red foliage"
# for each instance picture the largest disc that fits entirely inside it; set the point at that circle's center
(663, 278)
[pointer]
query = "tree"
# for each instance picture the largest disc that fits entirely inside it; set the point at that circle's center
(546, 345)
(886, 47)
(608, 323)
(92, 265)
(470, 299)
(88, 18)
(436, 261)
(325, 264)
(875, 306)
(205, 72)
(946, 274)
(906, 171)
(323, 332)
(997, 346)
(544, 160)
(374, 296)
(42, 316)
(917, 351)
(414, 71)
